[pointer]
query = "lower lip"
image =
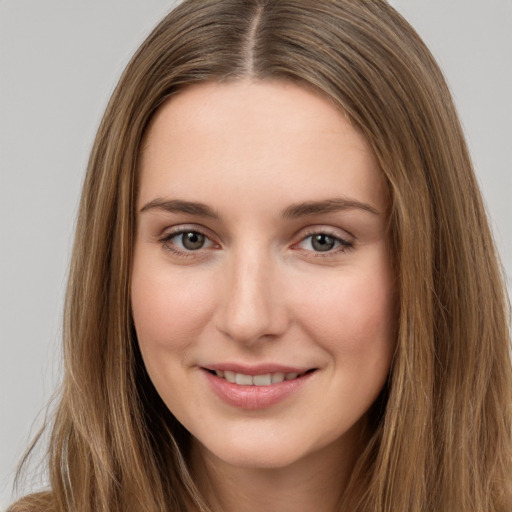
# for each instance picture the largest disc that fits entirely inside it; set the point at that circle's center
(255, 397)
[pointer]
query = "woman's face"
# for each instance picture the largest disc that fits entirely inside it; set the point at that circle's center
(262, 289)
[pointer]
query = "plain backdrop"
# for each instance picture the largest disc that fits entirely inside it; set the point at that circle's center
(59, 62)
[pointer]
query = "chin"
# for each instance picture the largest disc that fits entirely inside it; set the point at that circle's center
(264, 450)
(250, 457)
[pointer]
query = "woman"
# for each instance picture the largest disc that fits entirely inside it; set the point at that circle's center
(283, 293)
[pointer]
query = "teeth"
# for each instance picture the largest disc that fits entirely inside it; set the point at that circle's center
(255, 380)
(229, 376)
(243, 380)
(262, 380)
(277, 378)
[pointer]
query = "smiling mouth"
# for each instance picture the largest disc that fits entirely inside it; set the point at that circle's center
(266, 379)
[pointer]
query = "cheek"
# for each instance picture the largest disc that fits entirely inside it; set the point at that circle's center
(169, 311)
(168, 308)
(354, 317)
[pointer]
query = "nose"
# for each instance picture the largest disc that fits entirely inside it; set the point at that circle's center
(251, 307)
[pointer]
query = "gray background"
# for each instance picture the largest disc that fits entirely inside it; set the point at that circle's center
(59, 62)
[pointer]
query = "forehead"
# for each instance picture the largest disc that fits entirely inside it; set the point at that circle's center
(248, 106)
(256, 136)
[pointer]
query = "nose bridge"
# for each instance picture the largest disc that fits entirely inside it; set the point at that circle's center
(251, 308)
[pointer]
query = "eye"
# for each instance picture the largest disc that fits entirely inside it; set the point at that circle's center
(186, 241)
(192, 240)
(324, 243)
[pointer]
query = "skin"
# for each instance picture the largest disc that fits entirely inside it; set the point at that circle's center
(259, 290)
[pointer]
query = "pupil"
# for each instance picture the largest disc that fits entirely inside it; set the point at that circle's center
(322, 242)
(192, 240)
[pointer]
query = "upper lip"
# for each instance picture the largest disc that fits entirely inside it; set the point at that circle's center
(259, 369)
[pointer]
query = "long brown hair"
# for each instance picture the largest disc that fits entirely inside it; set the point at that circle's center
(441, 436)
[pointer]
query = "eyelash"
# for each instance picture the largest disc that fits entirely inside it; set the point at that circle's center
(173, 249)
(343, 244)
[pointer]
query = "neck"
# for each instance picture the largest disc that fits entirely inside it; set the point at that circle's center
(316, 482)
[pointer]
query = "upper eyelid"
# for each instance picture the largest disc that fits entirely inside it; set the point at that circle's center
(177, 230)
(331, 231)
(303, 232)
(329, 234)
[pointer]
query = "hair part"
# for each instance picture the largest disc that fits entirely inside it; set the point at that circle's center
(447, 407)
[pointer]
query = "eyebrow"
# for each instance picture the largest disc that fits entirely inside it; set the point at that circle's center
(177, 206)
(326, 206)
(291, 212)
